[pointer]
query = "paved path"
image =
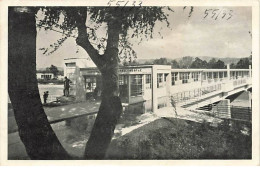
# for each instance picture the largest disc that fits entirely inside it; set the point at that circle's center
(71, 110)
(74, 137)
(59, 113)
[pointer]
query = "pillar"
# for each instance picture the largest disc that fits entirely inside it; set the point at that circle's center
(228, 71)
(250, 71)
(154, 89)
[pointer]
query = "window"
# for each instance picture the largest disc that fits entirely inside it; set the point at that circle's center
(122, 80)
(225, 74)
(136, 85)
(204, 75)
(148, 81)
(159, 80)
(123, 87)
(195, 76)
(209, 75)
(165, 77)
(174, 77)
(215, 75)
(220, 75)
(184, 77)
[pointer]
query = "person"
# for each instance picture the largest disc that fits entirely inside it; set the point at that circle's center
(95, 93)
(66, 90)
(45, 96)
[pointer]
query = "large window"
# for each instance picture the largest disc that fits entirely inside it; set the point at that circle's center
(184, 77)
(136, 85)
(174, 77)
(148, 81)
(159, 80)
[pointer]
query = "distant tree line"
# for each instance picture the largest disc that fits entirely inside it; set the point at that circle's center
(242, 63)
(189, 62)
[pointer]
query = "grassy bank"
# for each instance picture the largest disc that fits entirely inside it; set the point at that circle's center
(180, 139)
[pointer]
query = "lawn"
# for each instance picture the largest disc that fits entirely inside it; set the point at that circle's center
(180, 139)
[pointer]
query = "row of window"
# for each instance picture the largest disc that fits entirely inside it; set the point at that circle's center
(137, 85)
(46, 76)
(185, 76)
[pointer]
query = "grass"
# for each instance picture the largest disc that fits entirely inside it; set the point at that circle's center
(180, 139)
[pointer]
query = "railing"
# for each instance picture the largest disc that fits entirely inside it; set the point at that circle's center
(239, 82)
(198, 93)
(192, 95)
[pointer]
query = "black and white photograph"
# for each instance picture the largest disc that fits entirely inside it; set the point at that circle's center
(131, 81)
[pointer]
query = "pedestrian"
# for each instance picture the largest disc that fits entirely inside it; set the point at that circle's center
(66, 90)
(95, 93)
(45, 96)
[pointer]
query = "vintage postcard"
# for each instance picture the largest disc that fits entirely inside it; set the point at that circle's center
(129, 82)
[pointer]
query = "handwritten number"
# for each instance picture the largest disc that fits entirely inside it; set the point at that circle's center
(224, 14)
(206, 12)
(230, 15)
(214, 13)
(118, 3)
(110, 1)
(126, 3)
(140, 3)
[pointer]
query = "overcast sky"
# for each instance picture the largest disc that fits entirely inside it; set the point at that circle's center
(187, 36)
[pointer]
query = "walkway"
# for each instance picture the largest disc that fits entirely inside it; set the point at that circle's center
(74, 136)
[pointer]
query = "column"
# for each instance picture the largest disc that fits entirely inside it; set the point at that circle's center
(154, 89)
(228, 71)
(250, 71)
(129, 88)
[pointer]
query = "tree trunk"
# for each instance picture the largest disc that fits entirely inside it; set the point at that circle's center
(111, 106)
(39, 139)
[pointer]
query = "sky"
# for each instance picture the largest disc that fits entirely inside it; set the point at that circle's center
(187, 36)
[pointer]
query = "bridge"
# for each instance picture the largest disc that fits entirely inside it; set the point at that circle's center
(148, 88)
(215, 97)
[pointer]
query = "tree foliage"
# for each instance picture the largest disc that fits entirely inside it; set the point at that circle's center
(243, 63)
(199, 64)
(53, 69)
(186, 62)
(161, 61)
(135, 22)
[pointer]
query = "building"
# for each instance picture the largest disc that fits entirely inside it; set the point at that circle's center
(148, 88)
(47, 75)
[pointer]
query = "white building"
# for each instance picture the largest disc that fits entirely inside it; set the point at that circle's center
(44, 75)
(149, 87)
